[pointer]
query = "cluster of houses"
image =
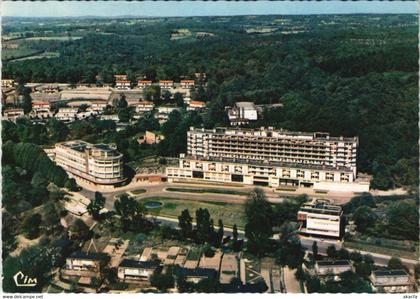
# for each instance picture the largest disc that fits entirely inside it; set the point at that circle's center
(136, 270)
(382, 281)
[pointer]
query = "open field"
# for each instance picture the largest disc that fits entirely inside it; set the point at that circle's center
(229, 213)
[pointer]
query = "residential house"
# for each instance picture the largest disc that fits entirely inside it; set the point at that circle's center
(195, 275)
(391, 281)
(150, 138)
(196, 105)
(13, 114)
(187, 84)
(131, 270)
(66, 114)
(166, 84)
(332, 268)
(143, 84)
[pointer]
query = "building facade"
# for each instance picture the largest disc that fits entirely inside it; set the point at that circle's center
(13, 114)
(242, 113)
(320, 219)
(391, 281)
(269, 157)
(98, 164)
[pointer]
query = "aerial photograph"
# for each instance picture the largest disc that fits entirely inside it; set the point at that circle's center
(210, 147)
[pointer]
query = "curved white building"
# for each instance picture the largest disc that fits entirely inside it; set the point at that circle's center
(100, 164)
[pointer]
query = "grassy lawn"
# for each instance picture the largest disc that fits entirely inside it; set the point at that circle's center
(381, 249)
(219, 191)
(172, 207)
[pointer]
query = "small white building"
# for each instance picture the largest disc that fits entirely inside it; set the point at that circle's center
(120, 77)
(242, 113)
(41, 109)
(66, 114)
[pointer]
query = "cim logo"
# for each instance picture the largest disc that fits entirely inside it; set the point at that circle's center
(22, 280)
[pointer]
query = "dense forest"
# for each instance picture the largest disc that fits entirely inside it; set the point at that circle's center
(351, 75)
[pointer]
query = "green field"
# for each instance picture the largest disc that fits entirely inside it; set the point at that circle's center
(219, 191)
(7, 54)
(172, 207)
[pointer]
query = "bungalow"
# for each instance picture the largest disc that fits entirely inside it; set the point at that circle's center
(332, 268)
(391, 281)
(41, 109)
(135, 270)
(187, 84)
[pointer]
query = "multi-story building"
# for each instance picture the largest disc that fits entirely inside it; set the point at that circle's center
(242, 113)
(41, 109)
(320, 219)
(98, 164)
(142, 84)
(13, 114)
(269, 157)
(391, 281)
(67, 114)
(123, 84)
(166, 84)
(187, 84)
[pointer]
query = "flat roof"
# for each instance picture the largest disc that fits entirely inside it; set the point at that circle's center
(129, 263)
(245, 105)
(334, 263)
(390, 273)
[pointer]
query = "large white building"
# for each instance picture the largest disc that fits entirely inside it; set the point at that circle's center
(320, 219)
(269, 157)
(98, 164)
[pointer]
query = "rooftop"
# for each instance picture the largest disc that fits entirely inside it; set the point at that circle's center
(249, 105)
(390, 273)
(196, 272)
(334, 263)
(321, 208)
(127, 263)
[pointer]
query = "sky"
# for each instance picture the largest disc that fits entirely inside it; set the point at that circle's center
(198, 8)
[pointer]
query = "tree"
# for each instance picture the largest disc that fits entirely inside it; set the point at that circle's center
(95, 205)
(71, 184)
(204, 225)
(364, 218)
(122, 102)
(131, 213)
(185, 224)
(258, 228)
(356, 256)
(290, 252)
(27, 103)
(363, 269)
(315, 250)
(208, 285)
(395, 263)
(31, 226)
(343, 254)
(220, 233)
(235, 233)
(162, 281)
(179, 99)
(331, 251)
(403, 221)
